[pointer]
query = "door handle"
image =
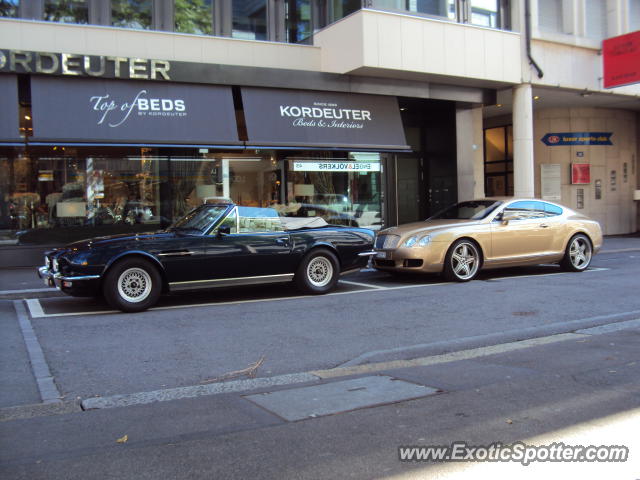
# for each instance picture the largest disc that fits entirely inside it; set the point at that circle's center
(544, 225)
(282, 240)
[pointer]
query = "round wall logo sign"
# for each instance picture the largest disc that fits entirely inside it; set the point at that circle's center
(554, 139)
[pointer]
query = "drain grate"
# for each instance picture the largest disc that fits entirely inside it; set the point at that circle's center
(337, 397)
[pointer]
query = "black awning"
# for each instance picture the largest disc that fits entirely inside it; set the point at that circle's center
(137, 112)
(9, 122)
(300, 118)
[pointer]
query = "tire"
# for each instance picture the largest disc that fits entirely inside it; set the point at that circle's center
(577, 256)
(463, 261)
(318, 273)
(132, 285)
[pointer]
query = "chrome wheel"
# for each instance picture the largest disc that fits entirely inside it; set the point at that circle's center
(134, 285)
(320, 271)
(580, 253)
(465, 261)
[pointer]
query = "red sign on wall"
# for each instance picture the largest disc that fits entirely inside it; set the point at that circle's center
(621, 60)
(580, 173)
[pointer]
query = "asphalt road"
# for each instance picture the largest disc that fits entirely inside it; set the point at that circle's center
(374, 324)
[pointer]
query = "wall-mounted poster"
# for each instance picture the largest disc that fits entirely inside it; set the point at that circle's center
(580, 173)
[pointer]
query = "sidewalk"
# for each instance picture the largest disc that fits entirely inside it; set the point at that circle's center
(23, 282)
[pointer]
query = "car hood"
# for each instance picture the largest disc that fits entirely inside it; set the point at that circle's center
(120, 238)
(426, 226)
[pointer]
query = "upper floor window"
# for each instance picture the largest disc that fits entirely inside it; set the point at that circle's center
(596, 19)
(341, 8)
(193, 16)
(131, 13)
(250, 19)
(298, 22)
(634, 15)
(550, 16)
(66, 11)
(9, 8)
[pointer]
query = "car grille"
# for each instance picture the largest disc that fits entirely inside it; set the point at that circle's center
(387, 241)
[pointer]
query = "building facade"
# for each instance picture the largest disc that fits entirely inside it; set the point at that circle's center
(121, 115)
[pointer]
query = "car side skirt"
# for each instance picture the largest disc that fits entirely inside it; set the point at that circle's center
(229, 282)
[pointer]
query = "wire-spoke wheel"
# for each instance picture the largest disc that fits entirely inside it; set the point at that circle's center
(318, 272)
(463, 261)
(132, 285)
(578, 254)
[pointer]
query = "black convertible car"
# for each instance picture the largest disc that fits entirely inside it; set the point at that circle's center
(214, 245)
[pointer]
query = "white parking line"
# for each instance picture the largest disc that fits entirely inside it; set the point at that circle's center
(358, 284)
(36, 311)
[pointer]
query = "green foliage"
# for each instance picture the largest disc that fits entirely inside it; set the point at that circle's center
(193, 16)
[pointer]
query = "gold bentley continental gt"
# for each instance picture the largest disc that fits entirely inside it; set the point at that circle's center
(469, 236)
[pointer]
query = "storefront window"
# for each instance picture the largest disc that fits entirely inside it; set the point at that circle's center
(298, 20)
(250, 19)
(131, 13)
(55, 195)
(194, 16)
(9, 8)
(66, 11)
(498, 161)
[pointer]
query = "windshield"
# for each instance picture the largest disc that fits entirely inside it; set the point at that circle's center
(474, 210)
(199, 220)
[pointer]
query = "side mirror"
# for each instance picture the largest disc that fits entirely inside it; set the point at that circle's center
(224, 230)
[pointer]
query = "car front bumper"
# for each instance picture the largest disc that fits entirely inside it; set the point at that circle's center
(426, 259)
(78, 285)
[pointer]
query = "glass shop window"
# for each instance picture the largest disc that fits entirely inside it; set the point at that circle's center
(63, 195)
(498, 161)
(10, 8)
(194, 16)
(66, 11)
(250, 19)
(131, 13)
(341, 190)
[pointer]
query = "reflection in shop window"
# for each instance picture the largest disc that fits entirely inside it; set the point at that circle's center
(250, 19)
(485, 13)
(194, 16)
(131, 13)
(66, 11)
(9, 8)
(51, 199)
(298, 20)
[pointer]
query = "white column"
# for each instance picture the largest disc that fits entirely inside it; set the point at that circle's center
(523, 164)
(470, 153)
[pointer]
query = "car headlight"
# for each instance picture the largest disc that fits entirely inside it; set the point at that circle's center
(417, 241)
(79, 258)
(410, 242)
(424, 241)
(54, 264)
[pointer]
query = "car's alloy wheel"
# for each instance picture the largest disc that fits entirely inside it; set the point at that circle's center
(463, 261)
(132, 285)
(578, 255)
(318, 272)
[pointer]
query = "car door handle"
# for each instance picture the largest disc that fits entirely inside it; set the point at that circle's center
(282, 240)
(544, 225)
